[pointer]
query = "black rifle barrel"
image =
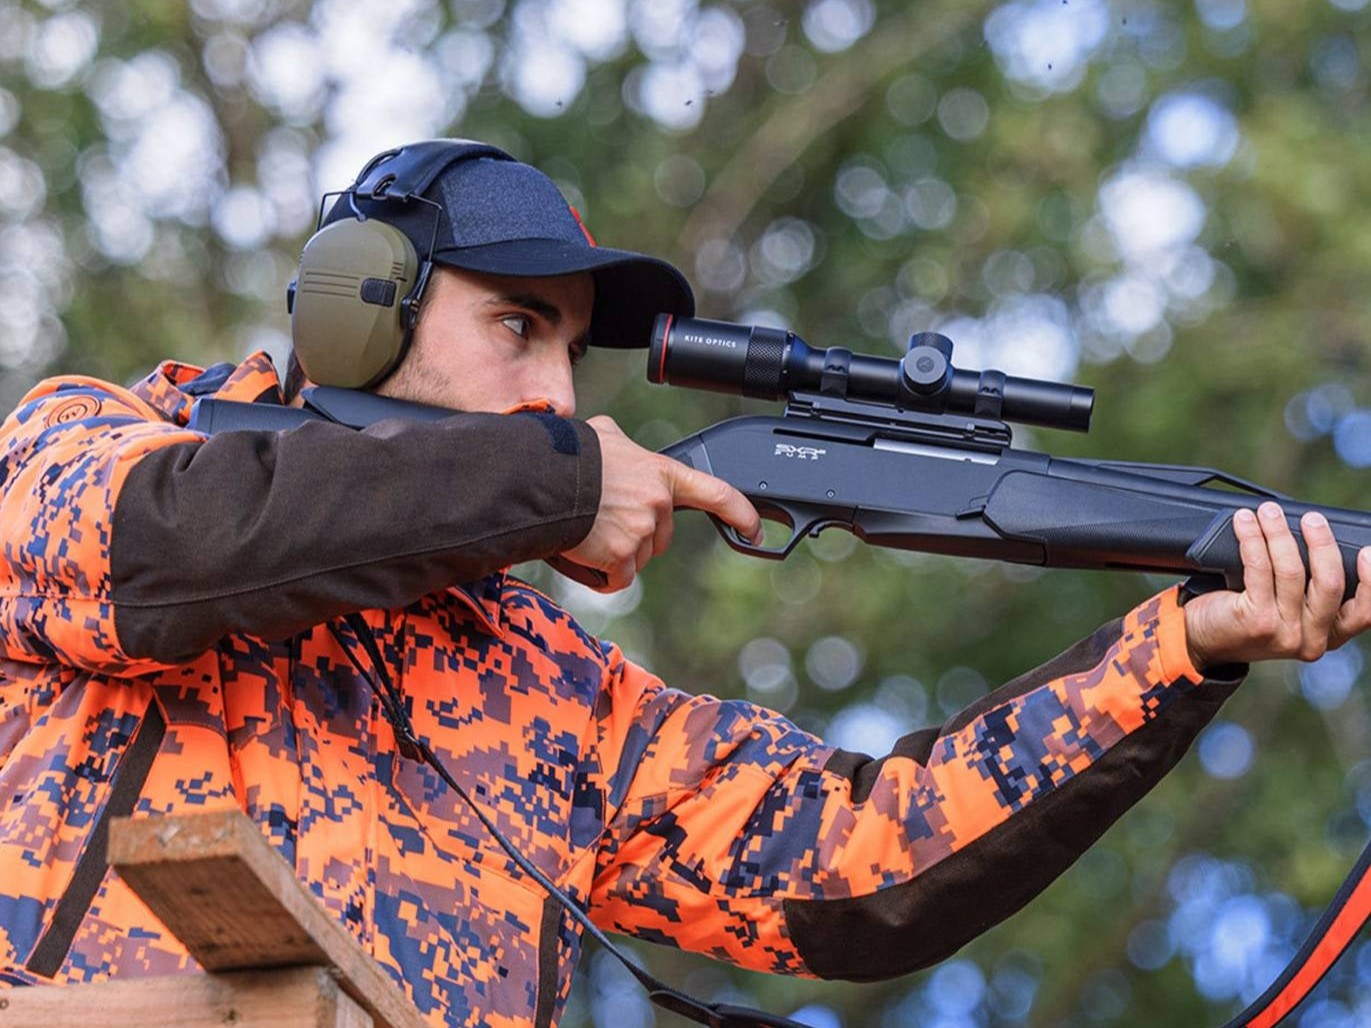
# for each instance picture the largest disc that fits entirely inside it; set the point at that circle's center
(772, 364)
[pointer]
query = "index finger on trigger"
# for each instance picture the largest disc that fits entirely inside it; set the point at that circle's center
(700, 491)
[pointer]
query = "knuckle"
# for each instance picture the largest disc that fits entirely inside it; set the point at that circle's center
(1289, 643)
(660, 502)
(1326, 587)
(1326, 576)
(607, 428)
(1288, 567)
(1264, 625)
(1312, 649)
(712, 491)
(662, 539)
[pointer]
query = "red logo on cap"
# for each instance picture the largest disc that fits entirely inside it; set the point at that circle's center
(585, 231)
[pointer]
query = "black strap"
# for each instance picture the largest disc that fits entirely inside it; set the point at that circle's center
(713, 1015)
(405, 172)
(47, 957)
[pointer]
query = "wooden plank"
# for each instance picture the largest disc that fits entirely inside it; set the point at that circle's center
(234, 903)
(298, 997)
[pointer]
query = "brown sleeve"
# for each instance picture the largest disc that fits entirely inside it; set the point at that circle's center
(268, 533)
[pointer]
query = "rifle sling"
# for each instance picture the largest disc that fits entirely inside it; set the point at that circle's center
(1349, 910)
(52, 948)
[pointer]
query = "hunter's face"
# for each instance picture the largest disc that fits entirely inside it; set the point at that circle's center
(492, 342)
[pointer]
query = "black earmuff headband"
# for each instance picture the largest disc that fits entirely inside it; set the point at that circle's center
(406, 172)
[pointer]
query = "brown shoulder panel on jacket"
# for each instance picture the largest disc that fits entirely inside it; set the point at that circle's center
(268, 533)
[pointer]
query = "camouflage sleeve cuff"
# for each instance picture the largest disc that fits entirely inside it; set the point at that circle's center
(1173, 651)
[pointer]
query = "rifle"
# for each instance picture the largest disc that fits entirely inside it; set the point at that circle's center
(915, 454)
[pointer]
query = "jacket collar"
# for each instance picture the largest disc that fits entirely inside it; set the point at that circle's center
(482, 598)
(173, 387)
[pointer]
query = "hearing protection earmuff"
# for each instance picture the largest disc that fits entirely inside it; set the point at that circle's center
(356, 296)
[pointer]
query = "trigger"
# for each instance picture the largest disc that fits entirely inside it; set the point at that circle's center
(734, 539)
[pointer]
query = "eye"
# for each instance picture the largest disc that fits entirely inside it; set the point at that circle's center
(519, 324)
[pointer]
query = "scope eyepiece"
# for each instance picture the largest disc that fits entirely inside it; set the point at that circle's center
(720, 356)
(771, 364)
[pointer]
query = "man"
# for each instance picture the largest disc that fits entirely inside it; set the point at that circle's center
(191, 623)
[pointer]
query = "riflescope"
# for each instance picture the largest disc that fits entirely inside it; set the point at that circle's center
(772, 364)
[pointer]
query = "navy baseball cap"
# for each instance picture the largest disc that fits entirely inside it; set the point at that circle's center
(500, 216)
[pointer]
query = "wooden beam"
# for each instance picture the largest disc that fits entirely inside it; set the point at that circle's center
(234, 903)
(297, 997)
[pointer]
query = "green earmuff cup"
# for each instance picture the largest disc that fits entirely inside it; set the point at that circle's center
(352, 310)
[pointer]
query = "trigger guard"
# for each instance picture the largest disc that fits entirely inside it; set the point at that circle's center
(730, 535)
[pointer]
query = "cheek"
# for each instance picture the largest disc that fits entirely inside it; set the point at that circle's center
(424, 377)
(470, 375)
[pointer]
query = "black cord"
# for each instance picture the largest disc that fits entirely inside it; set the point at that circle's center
(714, 1015)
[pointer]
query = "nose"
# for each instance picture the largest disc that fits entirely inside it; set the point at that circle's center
(555, 385)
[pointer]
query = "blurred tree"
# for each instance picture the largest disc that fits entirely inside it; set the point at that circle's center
(1163, 201)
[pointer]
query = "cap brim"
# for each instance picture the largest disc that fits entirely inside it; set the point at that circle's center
(630, 289)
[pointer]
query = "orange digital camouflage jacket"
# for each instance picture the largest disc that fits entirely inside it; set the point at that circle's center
(164, 647)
